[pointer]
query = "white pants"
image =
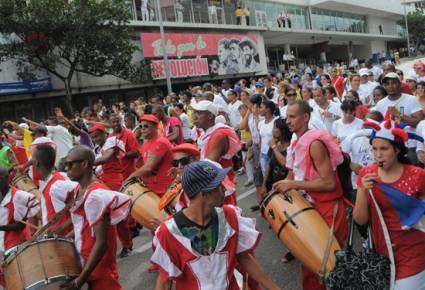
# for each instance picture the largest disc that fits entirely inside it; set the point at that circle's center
(145, 14)
(416, 282)
(249, 168)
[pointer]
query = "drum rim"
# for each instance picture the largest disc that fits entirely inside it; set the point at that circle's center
(39, 283)
(267, 199)
(8, 254)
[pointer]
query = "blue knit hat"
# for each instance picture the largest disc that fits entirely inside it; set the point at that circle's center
(202, 176)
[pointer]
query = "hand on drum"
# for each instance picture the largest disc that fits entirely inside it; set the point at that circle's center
(284, 186)
(71, 285)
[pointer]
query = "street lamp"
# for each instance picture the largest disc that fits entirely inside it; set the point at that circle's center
(165, 56)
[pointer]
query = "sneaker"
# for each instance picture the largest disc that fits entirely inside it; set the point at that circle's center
(288, 257)
(255, 207)
(248, 183)
(125, 252)
(153, 268)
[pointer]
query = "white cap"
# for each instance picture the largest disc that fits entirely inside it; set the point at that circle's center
(24, 126)
(363, 72)
(206, 106)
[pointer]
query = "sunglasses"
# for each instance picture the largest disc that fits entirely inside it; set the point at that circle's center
(69, 164)
(183, 161)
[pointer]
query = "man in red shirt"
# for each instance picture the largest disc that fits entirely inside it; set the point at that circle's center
(109, 169)
(128, 162)
(157, 156)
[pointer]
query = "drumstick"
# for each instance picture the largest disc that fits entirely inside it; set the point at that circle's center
(30, 225)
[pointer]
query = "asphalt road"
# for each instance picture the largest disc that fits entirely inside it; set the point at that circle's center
(134, 269)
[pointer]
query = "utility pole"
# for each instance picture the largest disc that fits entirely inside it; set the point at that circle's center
(163, 43)
(407, 29)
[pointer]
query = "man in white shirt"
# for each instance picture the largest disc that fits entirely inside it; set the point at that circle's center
(326, 111)
(366, 88)
(59, 135)
(403, 108)
(233, 108)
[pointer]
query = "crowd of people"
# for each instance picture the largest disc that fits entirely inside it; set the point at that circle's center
(284, 134)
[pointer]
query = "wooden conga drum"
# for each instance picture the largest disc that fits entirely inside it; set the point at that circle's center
(25, 183)
(144, 203)
(44, 264)
(300, 228)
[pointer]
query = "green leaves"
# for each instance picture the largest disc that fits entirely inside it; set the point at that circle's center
(90, 36)
(416, 23)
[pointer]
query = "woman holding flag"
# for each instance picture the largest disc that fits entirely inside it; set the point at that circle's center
(399, 190)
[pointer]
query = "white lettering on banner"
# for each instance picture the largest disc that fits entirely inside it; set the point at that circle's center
(180, 68)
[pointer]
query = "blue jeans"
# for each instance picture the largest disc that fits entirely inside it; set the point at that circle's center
(264, 158)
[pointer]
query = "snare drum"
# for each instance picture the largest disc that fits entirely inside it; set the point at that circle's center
(25, 183)
(300, 228)
(144, 203)
(45, 264)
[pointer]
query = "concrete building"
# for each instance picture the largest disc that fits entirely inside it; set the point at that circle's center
(213, 40)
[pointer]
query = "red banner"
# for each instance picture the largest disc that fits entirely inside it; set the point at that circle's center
(180, 68)
(183, 45)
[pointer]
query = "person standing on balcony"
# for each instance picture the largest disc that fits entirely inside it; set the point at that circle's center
(179, 11)
(238, 13)
(247, 13)
(144, 10)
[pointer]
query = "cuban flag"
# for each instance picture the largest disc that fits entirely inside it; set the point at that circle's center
(411, 211)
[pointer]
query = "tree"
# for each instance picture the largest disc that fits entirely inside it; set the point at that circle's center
(68, 36)
(416, 24)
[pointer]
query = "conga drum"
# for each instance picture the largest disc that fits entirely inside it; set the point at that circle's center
(44, 264)
(25, 183)
(144, 203)
(300, 228)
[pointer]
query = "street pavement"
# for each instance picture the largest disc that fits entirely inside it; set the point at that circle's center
(134, 269)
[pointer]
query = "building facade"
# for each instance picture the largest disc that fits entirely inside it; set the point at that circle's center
(217, 39)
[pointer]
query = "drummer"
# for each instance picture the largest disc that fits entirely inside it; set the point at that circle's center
(157, 157)
(15, 207)
(313, 157)
(95, 212)
(218, 143)
(55, 189)
(183, 155)
(110, 151)
(209, 257)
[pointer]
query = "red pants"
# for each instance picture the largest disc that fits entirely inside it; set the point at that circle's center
(310, 280)
(123, 230)
(106, 283)
(231, 199)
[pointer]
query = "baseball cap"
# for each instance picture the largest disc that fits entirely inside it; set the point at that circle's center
(202, 176)
(410, 78)
(186, 148)
(149, 118)
(363, 72)
(391, 75)
(97, 127)
(259, 84)
(206, 106)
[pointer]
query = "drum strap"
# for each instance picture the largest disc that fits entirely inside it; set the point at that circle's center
(290, 219)
(139, 196)
(322, 272)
